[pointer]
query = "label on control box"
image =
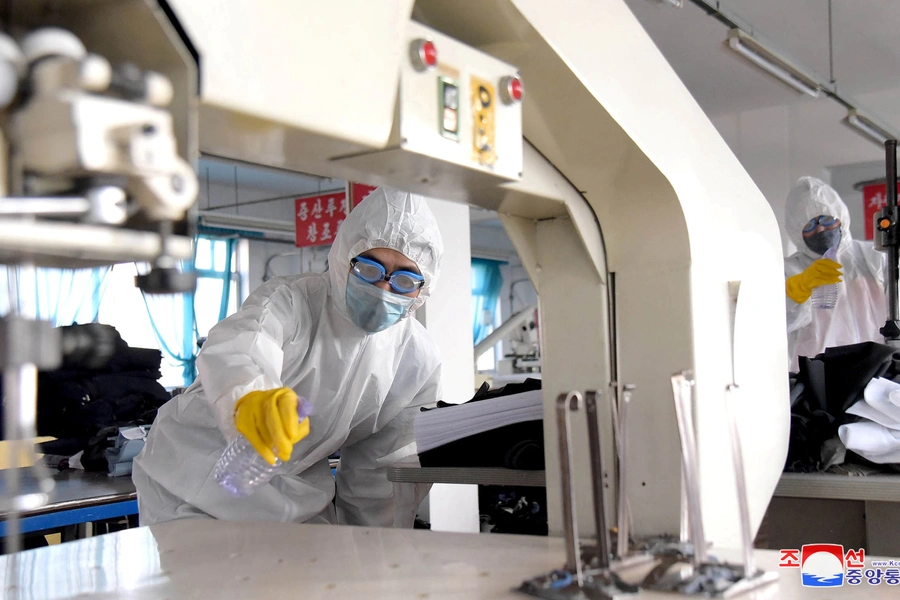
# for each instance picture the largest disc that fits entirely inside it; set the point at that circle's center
(448, 97)
(483, 124)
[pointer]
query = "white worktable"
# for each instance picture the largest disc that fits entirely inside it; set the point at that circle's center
(214, 559)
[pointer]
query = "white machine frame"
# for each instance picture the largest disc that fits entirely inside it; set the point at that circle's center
(623, 176)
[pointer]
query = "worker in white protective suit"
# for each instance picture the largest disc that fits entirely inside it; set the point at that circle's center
(347, 341)
(817, 220)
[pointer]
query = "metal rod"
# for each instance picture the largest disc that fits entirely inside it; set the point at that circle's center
(570, 523)
(624, 516)
(16, 404)
(890, 164)
(506, 328)
(740, 480)
(20, 416)
(617, 445)
(44, 206)
(682, 392)
(602, 532)
(13, 377)
(684, 533)
(612, 315)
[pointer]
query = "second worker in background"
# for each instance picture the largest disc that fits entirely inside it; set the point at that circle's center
(817, 220)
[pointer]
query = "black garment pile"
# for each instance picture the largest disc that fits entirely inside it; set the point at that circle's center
(82, 407)
(516, 446)
(518, 510)
(821, 393)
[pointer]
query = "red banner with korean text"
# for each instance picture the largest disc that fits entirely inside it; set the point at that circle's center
(317, 218)
(358, 191)
(874, 199)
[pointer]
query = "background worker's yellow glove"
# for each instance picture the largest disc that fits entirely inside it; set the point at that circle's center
(270, 421)
(822, 272)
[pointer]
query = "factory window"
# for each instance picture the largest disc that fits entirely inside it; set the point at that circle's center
(217, 265)
(174, 323)
(488, 359)
(487, 282)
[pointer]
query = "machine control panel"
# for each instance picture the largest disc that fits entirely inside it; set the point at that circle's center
(460, 105)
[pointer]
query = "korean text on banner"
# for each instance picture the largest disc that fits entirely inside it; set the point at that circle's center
(317, 218)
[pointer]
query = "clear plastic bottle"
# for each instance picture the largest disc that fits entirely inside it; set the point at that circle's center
(241, 469)
(825, 296)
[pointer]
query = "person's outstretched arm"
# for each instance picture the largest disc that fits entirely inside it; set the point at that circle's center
(243, 353)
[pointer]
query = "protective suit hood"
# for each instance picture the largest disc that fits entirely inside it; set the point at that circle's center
(809, 198)
(387, 218)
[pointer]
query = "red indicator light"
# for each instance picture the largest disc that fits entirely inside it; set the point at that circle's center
(423, 54)
(511, 90)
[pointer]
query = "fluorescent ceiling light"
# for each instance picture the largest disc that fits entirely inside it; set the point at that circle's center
(867, 127)
(769, 61)
(675, 3)
(247, 226)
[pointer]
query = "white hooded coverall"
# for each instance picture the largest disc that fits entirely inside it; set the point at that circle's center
(365, 390)
(861, 307)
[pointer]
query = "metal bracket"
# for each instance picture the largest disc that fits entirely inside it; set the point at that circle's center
(587, 573)
(23, 342)
(685, 567)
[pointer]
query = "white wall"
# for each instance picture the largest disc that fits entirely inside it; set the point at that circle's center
(779, 144)
(761, 139)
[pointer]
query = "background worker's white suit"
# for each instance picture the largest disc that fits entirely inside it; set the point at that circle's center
(861, 308)
(365, 389)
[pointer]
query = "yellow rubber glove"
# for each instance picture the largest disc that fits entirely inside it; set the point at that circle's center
(269, 420)
(822, 272)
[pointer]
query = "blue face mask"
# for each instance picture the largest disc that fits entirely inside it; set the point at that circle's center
(371, 308)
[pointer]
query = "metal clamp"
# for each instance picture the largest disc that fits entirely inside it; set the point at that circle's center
(580, 578)
(706, 576)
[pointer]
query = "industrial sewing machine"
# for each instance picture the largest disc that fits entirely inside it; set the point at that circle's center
(651, 249)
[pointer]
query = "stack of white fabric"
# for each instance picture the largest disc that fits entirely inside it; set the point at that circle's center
(441, 426)
(877, 436)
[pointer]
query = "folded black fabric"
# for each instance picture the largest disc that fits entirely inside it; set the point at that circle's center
(849, 369)
(825, 388)
(80, 405)
(516, 446)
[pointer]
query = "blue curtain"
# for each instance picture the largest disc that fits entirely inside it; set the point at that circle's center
(174, 318)
(226, 276)
(61, 296)
(486, 284)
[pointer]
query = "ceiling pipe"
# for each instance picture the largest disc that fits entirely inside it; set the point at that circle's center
(855, 114)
